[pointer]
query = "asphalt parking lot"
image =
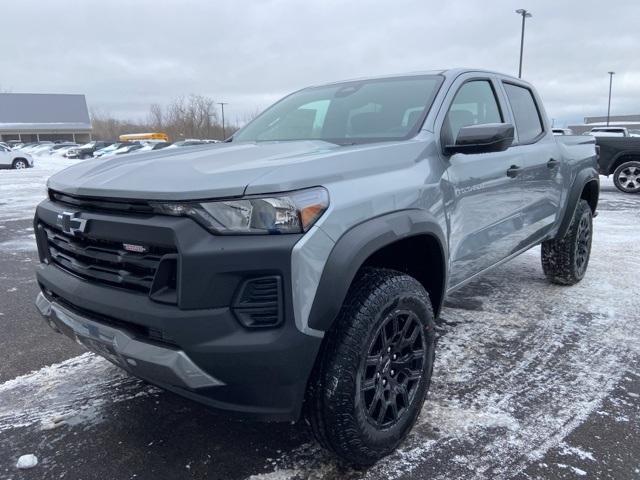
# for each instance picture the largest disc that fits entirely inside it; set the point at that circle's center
(532, 381)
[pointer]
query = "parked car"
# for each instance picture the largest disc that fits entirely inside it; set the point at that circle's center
(107, 150)
(298, 269)
(562, 131)
(188, 143)
(87, 150)
(57, 148)
(620, 157)
(14, 159)
(148, 147)
(124, 149)
(39, 149)
(33, 146)
(609, 132)
(63, 150)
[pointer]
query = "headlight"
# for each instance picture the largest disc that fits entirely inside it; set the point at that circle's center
(293, 212)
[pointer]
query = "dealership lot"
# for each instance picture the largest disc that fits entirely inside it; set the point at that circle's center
(532, 380)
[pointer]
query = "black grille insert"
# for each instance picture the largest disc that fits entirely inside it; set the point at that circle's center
(101, 204)
(104, 261)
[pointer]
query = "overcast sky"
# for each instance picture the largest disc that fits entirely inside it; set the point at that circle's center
(125, 55)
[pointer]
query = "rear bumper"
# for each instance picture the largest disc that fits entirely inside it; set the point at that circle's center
(142, 359)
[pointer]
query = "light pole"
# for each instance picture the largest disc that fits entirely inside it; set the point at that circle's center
(611, 74)
(222, 104)
(525, 15)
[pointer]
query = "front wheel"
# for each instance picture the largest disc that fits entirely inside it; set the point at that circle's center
(626, 177)
(375, 368)
(19, 164)
(565, 260)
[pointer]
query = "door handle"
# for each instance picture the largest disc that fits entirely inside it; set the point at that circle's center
(513, 171)
(552, 163)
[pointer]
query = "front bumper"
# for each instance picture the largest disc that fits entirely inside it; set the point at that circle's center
(142, 359)
(195, 344)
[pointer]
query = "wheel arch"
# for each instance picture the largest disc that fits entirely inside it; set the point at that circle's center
(13, 162)
(585, 186)
(411, 241)
(622, 157)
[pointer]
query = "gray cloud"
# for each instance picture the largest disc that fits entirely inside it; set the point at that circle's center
(125, 55)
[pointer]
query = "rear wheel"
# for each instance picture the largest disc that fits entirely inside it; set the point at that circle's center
(375, 368)
(20, 163)
(627, 177)
(565, 260)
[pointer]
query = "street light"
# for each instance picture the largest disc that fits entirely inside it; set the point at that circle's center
(525, 15)
(611, 74)
(222, 104)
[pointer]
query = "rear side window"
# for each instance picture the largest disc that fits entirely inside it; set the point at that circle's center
(525, 112)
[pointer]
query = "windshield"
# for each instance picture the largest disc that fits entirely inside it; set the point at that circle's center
(346, 113)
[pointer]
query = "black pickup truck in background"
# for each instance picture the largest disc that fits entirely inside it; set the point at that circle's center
(620, 157)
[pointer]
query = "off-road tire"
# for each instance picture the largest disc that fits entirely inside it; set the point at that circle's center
(19, 163)
(335, 406)
(565, 260)
(626, 177)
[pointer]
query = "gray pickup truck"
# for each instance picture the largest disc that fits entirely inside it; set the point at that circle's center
(297, 269)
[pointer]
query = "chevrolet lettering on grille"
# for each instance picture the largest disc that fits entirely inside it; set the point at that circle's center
(71, 224)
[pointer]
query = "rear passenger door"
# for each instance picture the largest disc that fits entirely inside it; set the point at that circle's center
(483, 202)
(540, 159)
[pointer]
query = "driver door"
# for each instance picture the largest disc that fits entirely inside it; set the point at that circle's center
(484, 192)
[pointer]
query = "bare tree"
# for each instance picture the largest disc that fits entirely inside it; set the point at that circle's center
(193, 116)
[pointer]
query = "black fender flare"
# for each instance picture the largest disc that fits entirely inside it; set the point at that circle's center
(582, 179)
(356, 245)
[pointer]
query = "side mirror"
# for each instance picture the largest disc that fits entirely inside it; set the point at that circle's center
(490, 137)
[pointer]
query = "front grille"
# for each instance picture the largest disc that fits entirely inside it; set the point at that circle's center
(101, 204)
(104, 261)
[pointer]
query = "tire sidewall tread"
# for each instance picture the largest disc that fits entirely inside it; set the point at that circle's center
(336, 420)
(558, 256)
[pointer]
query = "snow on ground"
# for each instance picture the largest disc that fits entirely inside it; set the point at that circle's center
(22, 190)
(520, 363)
(70, 392)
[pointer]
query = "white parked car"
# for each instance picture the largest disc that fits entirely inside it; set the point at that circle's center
(609, 132)
(14, 159)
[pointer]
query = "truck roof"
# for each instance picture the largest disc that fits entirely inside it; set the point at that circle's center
(451, 73)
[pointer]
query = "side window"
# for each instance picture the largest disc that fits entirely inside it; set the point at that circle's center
(474, 104)
(525, 112)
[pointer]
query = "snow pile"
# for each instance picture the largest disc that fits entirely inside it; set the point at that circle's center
(27, 461)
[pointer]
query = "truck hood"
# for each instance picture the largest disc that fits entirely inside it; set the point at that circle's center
(188, 173)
